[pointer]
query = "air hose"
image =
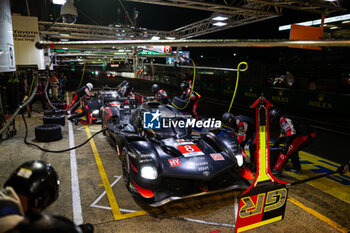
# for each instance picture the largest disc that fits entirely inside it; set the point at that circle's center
(82, 77)
(28, 108)
(55, 151)
(237, 80)
(193, 81)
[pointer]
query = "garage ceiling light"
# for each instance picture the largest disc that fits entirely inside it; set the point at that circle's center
(155, 38)
(59, 2)
(317, 22)
(220, 18)
(219, 24)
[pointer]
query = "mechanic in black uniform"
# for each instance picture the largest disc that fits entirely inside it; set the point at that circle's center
(160, 94)
(295, 135)
(92, 105)
(31, 188)
(244, 128)
(84, 90)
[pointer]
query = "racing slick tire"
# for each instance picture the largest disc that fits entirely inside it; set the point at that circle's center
(126, 167)
(51, 112)
(48, 133)
(59, 104)
(54, 119)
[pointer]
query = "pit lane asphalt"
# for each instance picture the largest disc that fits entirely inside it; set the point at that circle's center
(193, 215)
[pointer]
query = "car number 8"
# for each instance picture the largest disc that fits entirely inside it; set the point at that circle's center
(189, 148)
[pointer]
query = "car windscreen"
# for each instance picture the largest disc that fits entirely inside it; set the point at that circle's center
(170, 127)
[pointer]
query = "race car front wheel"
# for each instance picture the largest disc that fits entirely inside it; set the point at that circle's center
(126, 167)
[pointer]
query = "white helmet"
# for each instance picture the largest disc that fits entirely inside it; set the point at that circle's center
(90, 86)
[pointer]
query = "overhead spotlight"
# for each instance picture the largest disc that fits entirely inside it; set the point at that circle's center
(219, 24)
(155, 38)
(59, 2)
(69, 13)
(220, 18)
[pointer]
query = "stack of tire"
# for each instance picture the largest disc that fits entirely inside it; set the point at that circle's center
(51, 130)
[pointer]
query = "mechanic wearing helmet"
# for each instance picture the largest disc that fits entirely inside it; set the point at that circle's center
(295, 135)
(84, 90)
(160, 94)
(92, 105)
(186, 87)
(244, 129)
(31, 188)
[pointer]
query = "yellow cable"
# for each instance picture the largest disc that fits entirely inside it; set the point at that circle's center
(193, 81)
(82, 77)
(237, 80)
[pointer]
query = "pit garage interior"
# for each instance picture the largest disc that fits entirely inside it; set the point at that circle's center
(305, 73)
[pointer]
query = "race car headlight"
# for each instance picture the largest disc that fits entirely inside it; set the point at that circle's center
(149, 173)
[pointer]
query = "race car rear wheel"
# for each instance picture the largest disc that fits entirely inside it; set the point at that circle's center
(126, 167)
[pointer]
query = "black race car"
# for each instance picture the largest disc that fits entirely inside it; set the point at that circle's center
(167, 162)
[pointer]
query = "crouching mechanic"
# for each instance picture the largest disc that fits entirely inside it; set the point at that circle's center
(244, 129)
(186, 87)
(84, 90)
(93, 104)
(160, 94)
(31, 188)
(295, 135)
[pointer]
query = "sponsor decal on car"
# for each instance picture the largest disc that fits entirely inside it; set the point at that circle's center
(174, 162)
(217, 156)
(190, 150)
(206, 173)
(203, 168)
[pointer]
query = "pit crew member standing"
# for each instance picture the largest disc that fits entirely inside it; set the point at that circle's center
(295, 135)
(244, 129)
(194, 98)
(160, 94)
(84, 90)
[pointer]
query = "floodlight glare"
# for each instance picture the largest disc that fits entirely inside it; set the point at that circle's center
(219, 24)
(59, 2)
(220, 18)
